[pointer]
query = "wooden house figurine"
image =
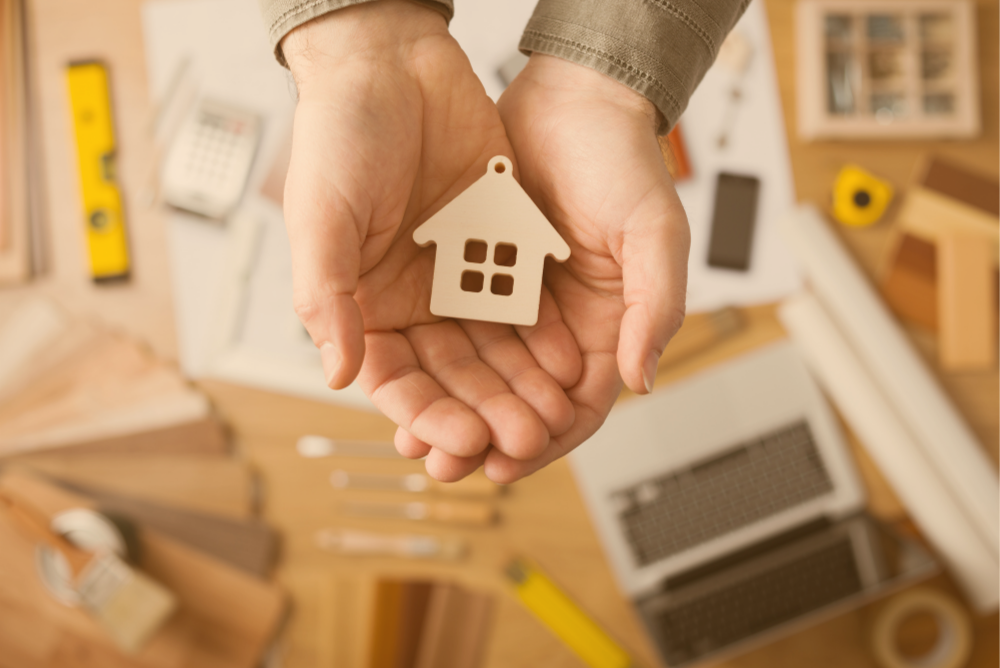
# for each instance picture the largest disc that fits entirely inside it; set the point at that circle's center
(491, 246)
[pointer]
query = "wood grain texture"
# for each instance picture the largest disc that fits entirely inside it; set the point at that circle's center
(492, 213)
(225, 619)
(247, 544)
(966, 295)
(218, 485)
(543, 516)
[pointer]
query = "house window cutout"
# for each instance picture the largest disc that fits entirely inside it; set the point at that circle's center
(505, 255)
(502, 284)
(475, 251)
(472, 281)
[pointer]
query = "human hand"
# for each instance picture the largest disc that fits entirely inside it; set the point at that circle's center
(588, 156)
(391, 124)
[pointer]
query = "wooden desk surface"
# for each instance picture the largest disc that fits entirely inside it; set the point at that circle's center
(543, 516)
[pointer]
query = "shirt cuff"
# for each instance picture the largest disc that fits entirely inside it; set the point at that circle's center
(283, 16)
(658, 48)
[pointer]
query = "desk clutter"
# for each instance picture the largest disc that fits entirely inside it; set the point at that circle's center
(731, 505)
(941, 266)
(128, 526)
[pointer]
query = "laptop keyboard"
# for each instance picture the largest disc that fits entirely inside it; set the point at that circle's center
(744, 607)
(672, 513)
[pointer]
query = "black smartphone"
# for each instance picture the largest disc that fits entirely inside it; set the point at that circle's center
(733, 221)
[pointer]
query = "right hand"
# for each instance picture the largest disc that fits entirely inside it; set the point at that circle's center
(391, 124)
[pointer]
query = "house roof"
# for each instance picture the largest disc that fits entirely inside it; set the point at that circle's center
(494, 208)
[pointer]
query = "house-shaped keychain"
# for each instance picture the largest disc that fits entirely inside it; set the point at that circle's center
(491, 246)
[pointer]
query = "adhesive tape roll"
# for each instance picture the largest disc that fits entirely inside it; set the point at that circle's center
(954, 642)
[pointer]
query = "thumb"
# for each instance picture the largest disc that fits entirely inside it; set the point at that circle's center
(325, 241)
(654, 272)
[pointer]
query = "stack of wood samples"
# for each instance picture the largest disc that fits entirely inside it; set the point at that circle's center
(16, 150)
(226, 617)
(90, 418)
(72, 383)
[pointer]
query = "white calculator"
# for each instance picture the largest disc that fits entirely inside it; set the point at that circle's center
(209, 161)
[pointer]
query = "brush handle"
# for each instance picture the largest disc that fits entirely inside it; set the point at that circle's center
(33, 523)
(461, 512)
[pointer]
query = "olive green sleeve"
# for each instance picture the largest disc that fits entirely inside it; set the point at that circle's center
(659, 48)
(282, 16)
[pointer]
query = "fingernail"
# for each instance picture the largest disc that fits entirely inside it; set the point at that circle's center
(649, 370)
(331, 361)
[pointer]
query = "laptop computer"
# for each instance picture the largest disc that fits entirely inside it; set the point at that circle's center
(729, 506)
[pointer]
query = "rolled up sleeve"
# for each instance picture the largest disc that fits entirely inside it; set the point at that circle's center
(659, 48)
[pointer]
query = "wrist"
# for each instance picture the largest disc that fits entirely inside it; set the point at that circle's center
(575, 81)
(380, 30)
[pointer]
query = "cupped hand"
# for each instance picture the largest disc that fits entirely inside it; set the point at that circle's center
(588, 156)
(391, 124)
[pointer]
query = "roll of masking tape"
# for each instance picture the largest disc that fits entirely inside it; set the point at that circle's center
(954, 640)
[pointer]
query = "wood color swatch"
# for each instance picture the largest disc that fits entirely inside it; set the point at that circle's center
(909, 283)
(218, 485)
(966, 301)
(67, 382)
(954, 210)
(15, 221)
(456, 628)
(249, 545)
(226, 618)
(961, 184)
(420, 624)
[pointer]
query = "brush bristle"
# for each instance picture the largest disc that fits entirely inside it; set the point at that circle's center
(129, 604)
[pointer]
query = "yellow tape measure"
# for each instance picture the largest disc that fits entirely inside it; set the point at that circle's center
(564, 618)
(95, 148)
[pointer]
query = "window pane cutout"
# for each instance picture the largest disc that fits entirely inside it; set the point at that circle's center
(502, 284)
(505, 255)
(472, 281)
(475, 251)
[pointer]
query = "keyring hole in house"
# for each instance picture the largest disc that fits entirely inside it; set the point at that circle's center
(499, 168)
(472, 281)
(475, 251)
(502, 284)
(505, 255)
(917, 635)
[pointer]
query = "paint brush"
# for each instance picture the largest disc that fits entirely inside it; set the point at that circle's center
(127, 603)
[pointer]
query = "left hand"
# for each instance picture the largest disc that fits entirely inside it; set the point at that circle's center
(588, 156)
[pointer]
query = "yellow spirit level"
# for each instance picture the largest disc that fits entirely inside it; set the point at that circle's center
(564, 618)
(95, 147)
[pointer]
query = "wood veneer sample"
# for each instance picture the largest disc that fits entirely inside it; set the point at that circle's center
(219, 485)
(966, 300)
(456, 628)
(956, 182)
(249, 545)
(910, 282)
(397, 627)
